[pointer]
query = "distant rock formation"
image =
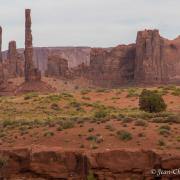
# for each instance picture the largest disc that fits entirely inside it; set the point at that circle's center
(113, 66)
(2, 78)
(57, 66)
(151, 60)
(31, 73)
(14, 63)
(12, 58)
(149, 64)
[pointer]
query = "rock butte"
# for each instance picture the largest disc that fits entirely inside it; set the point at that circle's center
(151, 60)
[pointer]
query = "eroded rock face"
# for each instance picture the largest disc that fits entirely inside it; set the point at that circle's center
(112, 67)
(2, 78)
(152, 60)
(14, 61)
(31, 73)
(149, 66)
(56, 163)
(57, 66)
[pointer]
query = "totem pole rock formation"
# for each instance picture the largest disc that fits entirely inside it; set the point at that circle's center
(15, 61)
(31, 73)
(12, 58)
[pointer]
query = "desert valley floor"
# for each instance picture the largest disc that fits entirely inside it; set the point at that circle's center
(89, 118)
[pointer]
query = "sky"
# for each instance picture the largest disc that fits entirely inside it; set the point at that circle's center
(94, 23)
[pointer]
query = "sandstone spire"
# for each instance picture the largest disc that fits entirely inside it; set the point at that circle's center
(12, 57)
(0, 44)
(31, 73)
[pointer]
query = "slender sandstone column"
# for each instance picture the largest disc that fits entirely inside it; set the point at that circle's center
(31, 73)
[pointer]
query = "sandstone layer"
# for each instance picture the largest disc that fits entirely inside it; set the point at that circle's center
(56, 163)
(151, 60)
(57, 66)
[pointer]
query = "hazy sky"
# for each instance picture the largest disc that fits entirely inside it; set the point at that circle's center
(88, 22)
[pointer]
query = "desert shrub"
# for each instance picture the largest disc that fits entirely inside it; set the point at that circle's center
(75, 104)
(90, 129)
(173, 118)
(101, 113)
(3, 161)
(91, 138)
(169, 87)
(132, 93)
(176, 92)
(115, 98)
(67, 95)
(124, 135)
(48, 134)
(119, 91)
(167, 127)
(59, 128)
(30, 95)
(67, 124)
(91, 176)
(164, 130)
(55, 107)
(86, 98)
(150, 101)
(110, 127)
(127, 119)
(140, 123)
(102, 90)
(54, 98)
(8, 122)
(85, 91)
(161, 142)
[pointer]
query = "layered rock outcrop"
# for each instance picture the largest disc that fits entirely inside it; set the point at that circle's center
(31, 73)
(57, 66)
(56, 163)
(14, 62)
(152, 60)
(113, 66)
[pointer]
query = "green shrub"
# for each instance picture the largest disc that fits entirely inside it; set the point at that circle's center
(67, 124)
(55, 107)
(132, 93)
(161, 143)
(48, 134)
(90, 129)
(30, 95)
(91, 176)
(101, 114)
(3, 161)
(151, 101)
(85, 91)
(140, 123)
(86, 98)
(124, 135)
(102, 90)
(176, 92)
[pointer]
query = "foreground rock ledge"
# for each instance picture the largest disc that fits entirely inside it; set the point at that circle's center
(57, 163)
